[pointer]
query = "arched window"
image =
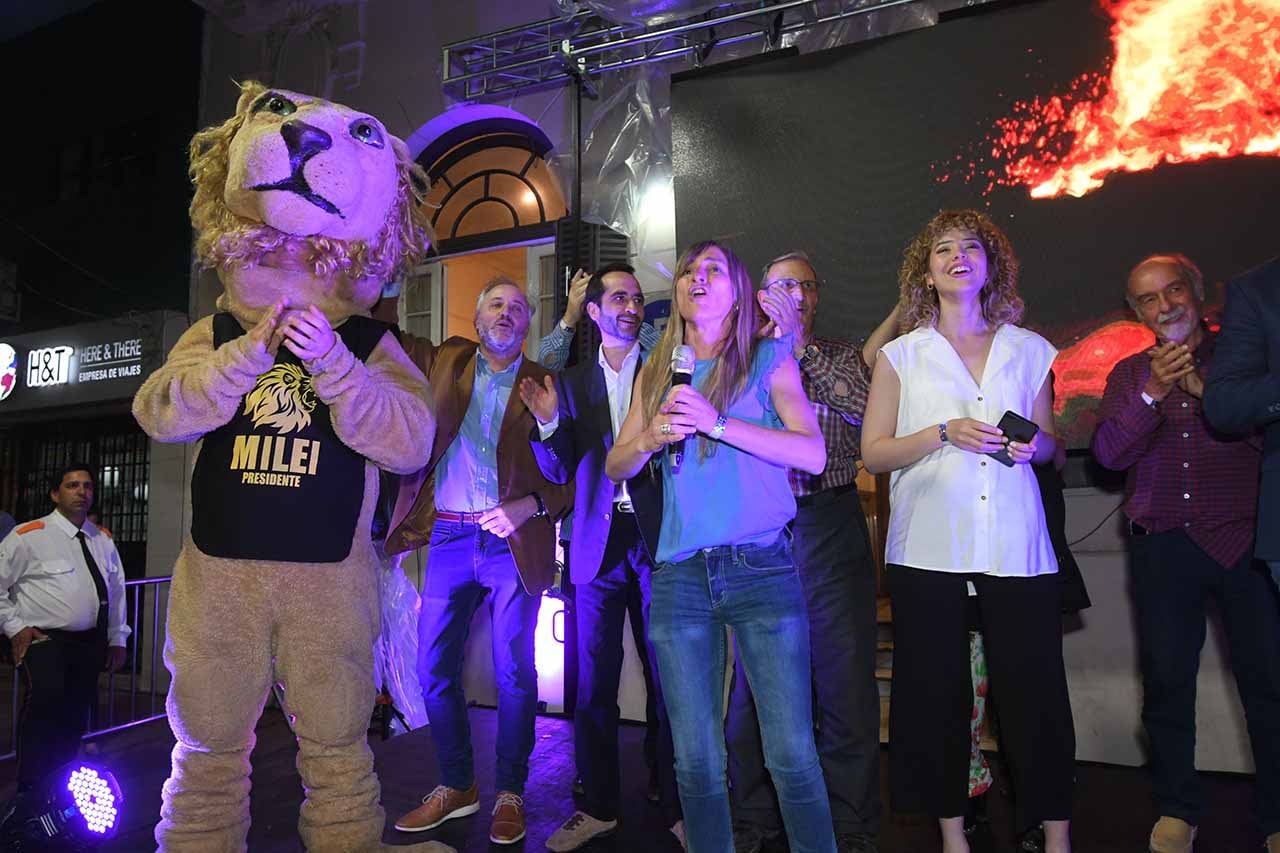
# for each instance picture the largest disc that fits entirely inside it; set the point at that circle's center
(488, 172)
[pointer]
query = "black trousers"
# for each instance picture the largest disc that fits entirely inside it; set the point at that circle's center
(837, 571)
(60, 681)
(931, 698)
(1173, 580)
(600, 610)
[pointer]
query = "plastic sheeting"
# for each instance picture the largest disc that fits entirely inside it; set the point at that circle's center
(863, 26)
(395, 653)
(648, 12)
(626, 158)
(626, 165)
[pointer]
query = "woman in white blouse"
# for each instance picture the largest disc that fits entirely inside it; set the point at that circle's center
(961, 521)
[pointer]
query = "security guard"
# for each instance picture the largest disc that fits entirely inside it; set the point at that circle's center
(62, 605)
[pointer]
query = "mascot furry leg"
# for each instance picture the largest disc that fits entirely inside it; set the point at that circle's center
(297, 398)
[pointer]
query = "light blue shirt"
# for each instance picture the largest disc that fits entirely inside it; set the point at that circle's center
(731, 497)
(467, 476)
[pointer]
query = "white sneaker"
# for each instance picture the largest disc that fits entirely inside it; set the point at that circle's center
(577, 831)
(677, 829)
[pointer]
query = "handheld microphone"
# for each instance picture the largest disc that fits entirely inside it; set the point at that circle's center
(682, 359)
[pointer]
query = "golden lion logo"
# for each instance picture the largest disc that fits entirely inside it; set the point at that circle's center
(282, 398)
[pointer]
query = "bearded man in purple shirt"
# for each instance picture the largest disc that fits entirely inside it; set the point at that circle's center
(1190, 498)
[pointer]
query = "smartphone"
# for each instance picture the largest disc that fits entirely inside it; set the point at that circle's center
(1015, 428)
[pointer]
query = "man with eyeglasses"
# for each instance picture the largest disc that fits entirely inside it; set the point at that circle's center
(837, 570)
(1191, 495)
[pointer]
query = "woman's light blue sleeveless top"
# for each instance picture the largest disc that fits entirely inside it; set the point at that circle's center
(731, 497)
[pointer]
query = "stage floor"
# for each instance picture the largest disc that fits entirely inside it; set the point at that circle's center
(1113, 811)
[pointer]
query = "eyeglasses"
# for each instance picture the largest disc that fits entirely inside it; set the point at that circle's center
(808, 285)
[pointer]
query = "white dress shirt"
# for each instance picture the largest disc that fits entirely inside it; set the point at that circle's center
(45, 582)
(619, 385)
(953, 510)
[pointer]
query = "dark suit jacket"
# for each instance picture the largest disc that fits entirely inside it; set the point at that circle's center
(450, 369)
(1243, 390)
(576, 451)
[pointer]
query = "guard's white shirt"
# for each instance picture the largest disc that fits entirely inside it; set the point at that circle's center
(45, 582)
(953, 510)
(619, 385)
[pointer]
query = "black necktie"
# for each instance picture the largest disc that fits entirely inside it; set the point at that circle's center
(98, 581)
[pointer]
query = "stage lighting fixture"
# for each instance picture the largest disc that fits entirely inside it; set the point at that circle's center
(80, 809)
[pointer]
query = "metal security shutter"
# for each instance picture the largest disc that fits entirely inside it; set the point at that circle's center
(588, 246)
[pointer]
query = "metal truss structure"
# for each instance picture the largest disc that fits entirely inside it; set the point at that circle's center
(558, 50)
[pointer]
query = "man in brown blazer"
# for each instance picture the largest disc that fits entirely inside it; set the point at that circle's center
(489, 516)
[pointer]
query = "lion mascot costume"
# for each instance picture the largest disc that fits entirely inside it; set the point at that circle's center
(298, 398)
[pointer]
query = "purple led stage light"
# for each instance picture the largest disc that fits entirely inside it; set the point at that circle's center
(79, 809)
(96, 798)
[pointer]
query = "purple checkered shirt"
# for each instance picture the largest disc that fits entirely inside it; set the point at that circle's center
(1179, 474)
(836, 382)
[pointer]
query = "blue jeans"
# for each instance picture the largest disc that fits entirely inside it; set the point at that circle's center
(838, 573)
(755, 591)
(467, 563)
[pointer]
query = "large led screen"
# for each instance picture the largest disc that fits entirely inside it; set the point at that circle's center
(1093, 133)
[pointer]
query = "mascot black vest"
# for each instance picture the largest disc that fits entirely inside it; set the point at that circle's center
(276, 482)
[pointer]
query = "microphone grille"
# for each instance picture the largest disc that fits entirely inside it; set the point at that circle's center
(682, 359)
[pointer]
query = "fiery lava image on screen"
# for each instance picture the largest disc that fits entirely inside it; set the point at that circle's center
(1188, 80)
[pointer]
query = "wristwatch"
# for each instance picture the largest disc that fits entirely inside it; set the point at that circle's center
(542, 507)
(718, 429)
(810, 352)
(942, 432)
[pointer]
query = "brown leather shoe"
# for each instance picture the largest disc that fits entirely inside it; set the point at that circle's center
(508, 819)
(442, 804)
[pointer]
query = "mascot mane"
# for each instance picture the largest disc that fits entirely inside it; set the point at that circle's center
(226, 240)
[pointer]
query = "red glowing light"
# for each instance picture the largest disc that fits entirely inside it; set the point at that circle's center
(1189, 80)
(1080, 376)
(1081, 369)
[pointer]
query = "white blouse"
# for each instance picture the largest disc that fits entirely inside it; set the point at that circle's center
(953, 510)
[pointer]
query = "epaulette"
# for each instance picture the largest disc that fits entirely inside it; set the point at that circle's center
(30, 526)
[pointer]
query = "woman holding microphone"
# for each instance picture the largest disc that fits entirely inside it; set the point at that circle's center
(724, 554)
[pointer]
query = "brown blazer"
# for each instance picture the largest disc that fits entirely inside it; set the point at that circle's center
(450, 368)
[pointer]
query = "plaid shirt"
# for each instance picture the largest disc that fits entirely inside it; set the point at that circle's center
(836, 382)
(1180, 474)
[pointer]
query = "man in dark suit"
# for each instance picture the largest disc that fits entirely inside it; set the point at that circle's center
(489, 516)
(615, 531)
(1243, 392)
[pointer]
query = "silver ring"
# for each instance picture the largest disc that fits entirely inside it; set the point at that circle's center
(665, 429)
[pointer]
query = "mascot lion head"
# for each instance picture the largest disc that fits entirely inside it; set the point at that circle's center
(305, 198)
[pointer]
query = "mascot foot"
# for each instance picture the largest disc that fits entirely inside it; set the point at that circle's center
(420, 847)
